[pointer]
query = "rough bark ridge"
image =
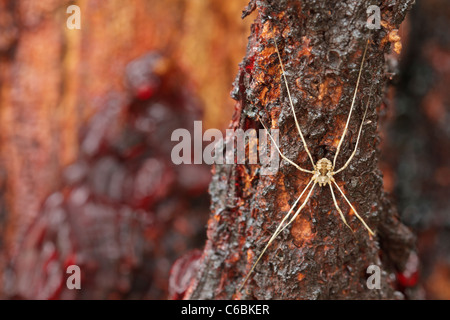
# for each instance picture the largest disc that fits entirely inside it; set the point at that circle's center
(317, 257)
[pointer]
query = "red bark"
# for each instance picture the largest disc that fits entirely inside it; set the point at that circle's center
(321, 44)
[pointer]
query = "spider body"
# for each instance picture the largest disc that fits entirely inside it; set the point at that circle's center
(323, 172)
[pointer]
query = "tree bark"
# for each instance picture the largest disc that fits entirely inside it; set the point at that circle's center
(317, 257)
(418, 142)
(58, 84)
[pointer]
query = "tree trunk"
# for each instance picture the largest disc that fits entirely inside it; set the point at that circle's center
(60, 88)
(418, 140)
(321, 44)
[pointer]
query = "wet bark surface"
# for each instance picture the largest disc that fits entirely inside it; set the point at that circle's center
(317, 257)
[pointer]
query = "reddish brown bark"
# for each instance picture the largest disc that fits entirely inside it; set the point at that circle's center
(321, 44)
(418, 141)
(53, 81)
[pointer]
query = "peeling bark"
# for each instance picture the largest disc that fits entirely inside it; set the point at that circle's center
(317, 257)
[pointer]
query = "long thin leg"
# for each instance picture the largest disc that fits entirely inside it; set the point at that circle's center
(281, 154)
(292, 106)
(354, 210)
(277, 232)
(298, 211)
(357, 141)
(337, 207)
(352, 106)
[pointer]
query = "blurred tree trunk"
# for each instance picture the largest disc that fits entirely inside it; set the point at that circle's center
(418, 144)
(53, 80)
(317, 257)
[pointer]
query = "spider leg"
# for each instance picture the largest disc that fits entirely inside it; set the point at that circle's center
(292, 105)
(299, 209)
(354, 210)
(352, 106)
(281, 154)
(357, 141)
(290, 210)
(337, 207)
(277, 232)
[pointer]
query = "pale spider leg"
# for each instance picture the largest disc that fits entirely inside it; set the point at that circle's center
(357, 141)
(299, 209)
(292, 106)
(353, 104)
(337, 207)
(289, 213)
(354, 210)
(277, 232)
(281, 154)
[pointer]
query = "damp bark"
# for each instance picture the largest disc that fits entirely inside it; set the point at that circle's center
(321, 45)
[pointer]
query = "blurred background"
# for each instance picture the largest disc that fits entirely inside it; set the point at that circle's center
(86, 117)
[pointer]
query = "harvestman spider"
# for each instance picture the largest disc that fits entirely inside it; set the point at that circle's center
(323, 171)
